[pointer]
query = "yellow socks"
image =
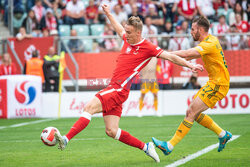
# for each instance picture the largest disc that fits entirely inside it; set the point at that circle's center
(182, 130)
(141, 104)
(156, 104)
(207, 122)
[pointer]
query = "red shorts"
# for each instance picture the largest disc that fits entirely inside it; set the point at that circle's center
(112, 99)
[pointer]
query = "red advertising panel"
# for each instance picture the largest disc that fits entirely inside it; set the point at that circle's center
(101, 65)
(3, 98)
(25, 47)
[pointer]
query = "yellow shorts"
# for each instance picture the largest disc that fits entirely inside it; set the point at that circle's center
(211, 93)
(149, 86)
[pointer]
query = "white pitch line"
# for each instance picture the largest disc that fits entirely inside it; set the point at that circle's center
(197, 154)
(26, 123)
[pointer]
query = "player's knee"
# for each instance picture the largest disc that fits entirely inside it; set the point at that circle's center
(111, 132)
(89, 108)
(190, 112)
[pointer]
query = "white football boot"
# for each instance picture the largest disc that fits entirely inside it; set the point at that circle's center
(62, 141)
(151, 152)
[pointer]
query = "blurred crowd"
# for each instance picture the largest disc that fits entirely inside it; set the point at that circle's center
(42, 18)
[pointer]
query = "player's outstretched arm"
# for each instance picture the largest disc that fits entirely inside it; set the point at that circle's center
(117, 26)
(188, 54)
(180, 61)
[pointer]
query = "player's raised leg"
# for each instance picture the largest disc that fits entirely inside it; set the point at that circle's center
(196, 107)
(94, 106)
(113, 130)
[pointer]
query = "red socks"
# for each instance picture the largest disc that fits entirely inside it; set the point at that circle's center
(128, 139)
(79, 125)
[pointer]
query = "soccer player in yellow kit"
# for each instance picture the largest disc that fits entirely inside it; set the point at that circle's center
(216, 88)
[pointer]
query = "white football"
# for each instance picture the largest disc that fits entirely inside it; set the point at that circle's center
(48, 136)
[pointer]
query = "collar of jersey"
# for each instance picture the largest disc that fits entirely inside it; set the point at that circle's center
(138, 42)
(206, 37)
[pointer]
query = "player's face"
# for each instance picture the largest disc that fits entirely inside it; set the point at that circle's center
(131, 34)
(195, 32)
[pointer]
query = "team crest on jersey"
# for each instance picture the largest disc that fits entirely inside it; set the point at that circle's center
(128, 49)
(136, 51)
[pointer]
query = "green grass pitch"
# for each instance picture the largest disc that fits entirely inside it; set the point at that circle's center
(21, 146)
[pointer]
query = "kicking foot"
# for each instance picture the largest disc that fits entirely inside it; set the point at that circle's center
(151, 152)
(162, 145)
(223, 141)
(62, 141)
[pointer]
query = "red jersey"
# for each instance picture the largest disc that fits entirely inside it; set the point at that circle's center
(164, 71)
(132, 59)
(91, 12)
(243, 26)
(7, 70)
(190, 9)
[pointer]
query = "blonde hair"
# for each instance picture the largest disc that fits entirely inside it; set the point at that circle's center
(8, 62)
(136, 22)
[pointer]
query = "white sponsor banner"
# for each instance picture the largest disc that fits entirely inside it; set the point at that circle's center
(171, 102)
(23, 96)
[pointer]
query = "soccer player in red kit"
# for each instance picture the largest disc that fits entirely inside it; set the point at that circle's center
(135, 54)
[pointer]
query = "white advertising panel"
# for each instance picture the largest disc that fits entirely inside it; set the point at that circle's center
(23, 96)
(172, 102)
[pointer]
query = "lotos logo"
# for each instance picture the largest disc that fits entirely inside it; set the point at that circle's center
(25, 93)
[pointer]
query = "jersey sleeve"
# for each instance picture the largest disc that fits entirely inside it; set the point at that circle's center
(204, 48)
(154, 50)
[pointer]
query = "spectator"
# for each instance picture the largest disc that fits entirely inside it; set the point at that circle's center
(156, 19)
(187, 9)
(164, 72)
(34, 66)
(205, 8)
(31, 25)
(134, 9)
(192, 83)
(233, 41)
(118, 14)
(39, 10)
(57, 12)
(22, 34)
(167, 30)
(110, 3)
(169, 7)
(178, 43)
(185, 27)
(144, 7)
(49, 21)
(168, 27)
(92, 13)
(128, 7)
(148, 28)
(109, 44)
(50, 69)
(45, 33)
(241, 25)
(237, 9)
(232, 3)
(74, 12)
(222, 27)
(7, 68)
(75, 45)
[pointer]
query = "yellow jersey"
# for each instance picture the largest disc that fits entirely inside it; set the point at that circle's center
(214, 60)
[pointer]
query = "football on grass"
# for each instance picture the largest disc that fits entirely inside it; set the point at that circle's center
(48, 136)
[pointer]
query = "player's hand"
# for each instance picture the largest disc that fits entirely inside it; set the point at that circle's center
(105, 8)
(197, 67)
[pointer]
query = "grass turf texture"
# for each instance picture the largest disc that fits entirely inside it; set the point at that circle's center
(21, 146)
